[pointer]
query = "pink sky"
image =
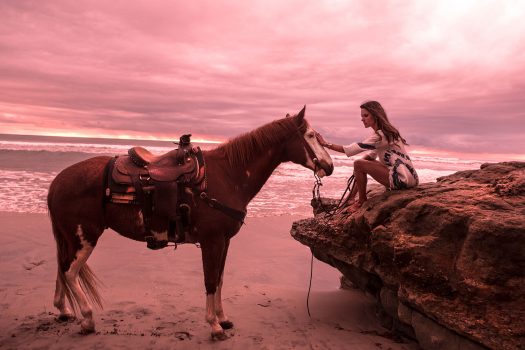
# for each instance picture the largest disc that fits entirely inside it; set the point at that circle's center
(449, 73)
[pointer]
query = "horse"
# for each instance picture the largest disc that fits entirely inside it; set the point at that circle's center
(236, 170)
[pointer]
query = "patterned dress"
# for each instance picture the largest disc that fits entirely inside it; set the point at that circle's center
(393, 155)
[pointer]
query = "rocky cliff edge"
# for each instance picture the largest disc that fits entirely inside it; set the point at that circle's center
(446, 260)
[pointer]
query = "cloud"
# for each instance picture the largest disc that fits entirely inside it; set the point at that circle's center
(448, 73)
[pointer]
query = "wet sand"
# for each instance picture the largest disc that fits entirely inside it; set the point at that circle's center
(156, 299)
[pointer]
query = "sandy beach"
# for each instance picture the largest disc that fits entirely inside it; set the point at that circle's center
(156, 300)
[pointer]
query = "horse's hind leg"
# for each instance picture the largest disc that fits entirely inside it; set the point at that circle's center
(73, 282)
(60, 301)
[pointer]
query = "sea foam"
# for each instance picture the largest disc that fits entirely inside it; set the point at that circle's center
(27, 169)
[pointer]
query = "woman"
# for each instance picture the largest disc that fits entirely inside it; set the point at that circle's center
(394, 168)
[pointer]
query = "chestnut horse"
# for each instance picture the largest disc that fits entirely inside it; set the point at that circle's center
(236, 170)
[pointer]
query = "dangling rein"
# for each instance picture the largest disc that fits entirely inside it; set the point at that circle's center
(316, 197)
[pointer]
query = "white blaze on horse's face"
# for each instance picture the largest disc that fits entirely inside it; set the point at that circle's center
(325, 166)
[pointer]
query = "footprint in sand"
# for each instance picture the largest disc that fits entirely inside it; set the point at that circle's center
(126, 303)
(115, 312)
(109, 321)
(140, 312)
(257, 339)
(166, 324)
(183, 335)
(265, 303)
(45, 326)
(32, 264)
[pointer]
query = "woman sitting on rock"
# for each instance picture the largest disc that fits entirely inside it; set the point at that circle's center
(394, 168)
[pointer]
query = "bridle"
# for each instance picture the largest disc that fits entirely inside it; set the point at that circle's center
(307, 146)
(316, 194)
(316, 190)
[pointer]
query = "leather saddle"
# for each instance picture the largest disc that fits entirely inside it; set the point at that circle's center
(158, 184)
(141, 162)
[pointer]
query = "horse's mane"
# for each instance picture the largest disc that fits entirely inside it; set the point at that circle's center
(244, 147)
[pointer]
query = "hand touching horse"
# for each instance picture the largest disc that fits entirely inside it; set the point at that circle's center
(236, 170)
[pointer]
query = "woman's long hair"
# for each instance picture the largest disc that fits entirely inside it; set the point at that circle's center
(379, 115)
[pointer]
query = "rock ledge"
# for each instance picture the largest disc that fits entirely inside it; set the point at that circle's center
(446, 261)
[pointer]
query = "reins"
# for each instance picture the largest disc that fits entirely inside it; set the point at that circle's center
(316, 197)
(307, 147)
(316, 191)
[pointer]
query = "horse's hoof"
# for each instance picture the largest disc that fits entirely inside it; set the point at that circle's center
(87, 327)
(65, 318)
(226, 324)
(86, 331)
(218, 335)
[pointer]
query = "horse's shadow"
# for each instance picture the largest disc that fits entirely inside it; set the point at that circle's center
(45, 323)
(52, 326)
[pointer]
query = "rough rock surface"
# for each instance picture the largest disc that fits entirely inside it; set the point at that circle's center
(446, 260)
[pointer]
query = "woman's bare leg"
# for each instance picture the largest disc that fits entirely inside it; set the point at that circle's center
(362, 168)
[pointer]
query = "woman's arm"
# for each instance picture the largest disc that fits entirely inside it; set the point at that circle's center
(370, 145)
(332, 146)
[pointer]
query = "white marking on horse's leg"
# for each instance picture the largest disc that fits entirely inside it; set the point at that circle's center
(219, 311)
(211, 317)
(160, 236)
(140, 219)
(87, 324)
(60, 300)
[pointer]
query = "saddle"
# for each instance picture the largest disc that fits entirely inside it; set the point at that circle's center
(161, 185)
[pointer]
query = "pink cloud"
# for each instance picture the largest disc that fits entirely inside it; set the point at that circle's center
(450, 74)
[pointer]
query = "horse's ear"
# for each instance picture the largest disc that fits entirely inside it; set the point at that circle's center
(300, 116)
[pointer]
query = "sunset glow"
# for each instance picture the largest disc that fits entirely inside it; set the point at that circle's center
(449, 73)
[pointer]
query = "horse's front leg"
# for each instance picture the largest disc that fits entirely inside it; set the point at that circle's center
(212, 253)
(219, 310)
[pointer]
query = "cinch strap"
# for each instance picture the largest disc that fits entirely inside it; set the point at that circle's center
(215, 204)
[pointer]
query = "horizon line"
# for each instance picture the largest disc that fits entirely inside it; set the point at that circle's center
(112, 137)
(416, 150)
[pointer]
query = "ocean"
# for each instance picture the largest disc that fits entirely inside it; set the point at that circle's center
(28, 164)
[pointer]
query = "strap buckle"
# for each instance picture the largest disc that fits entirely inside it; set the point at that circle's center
(144, 177)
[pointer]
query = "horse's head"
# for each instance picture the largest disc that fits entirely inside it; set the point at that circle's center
(304, 149)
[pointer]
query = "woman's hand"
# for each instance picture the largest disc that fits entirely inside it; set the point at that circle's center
(331, 146)
(321, 139)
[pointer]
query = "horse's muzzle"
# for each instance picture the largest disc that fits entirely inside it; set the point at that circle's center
(325, 170)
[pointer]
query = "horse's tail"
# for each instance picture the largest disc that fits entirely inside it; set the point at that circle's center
(88, 282)
(66, 253)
